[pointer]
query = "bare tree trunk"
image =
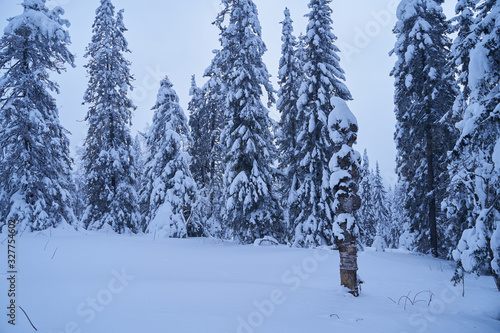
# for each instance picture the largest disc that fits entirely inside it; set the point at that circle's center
(432, 199)
(349, 266)
(497, 280)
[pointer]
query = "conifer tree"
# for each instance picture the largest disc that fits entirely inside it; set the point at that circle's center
(252, 207)
(200, 148)
(424, 95)
(206, 122)
(35, 164)
(478, 147)
(290, 78)
(137, 149)
(313, 223)
(399, 225)
(365, 216)
(380, 212)
(108, 158)
(169, 190)
(458, 201)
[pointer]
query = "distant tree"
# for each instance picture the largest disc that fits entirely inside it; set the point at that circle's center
(138, 154)
(424, 95)
(252, 207)
(398, 220)
(108, 158)
(478, 147)
(35, 164)
(381, 212)
(314, 219)
(290, 79)
(80, 196)
(365, 216)
(169, 190)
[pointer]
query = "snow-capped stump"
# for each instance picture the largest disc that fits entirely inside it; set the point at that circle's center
(266, 241)
(345, 167)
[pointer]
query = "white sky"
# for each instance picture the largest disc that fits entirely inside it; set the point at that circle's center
(176, 37)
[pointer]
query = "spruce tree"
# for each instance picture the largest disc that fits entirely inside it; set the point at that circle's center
(169, 190)
(365, 216)
(138, 155)
(380, 212)
(458, 201)
(314, 200)
(424, 93)
(108, 158)
(478, 148)
(252, 207)
(290, 78)
(399, 224)
(35, 164)
(206, 121)
(200, 148)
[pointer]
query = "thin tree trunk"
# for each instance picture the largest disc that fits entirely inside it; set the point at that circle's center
(497, 280)
(432, 199)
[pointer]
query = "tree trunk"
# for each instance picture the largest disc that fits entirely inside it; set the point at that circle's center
(349, 266)
(497, 280)
(432, 199)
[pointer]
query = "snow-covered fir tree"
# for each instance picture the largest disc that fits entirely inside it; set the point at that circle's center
(314, 199)
(458, 201)
(169, 190)
(79, 192)
(290, 77)
(424, 93)
(35, 164)
(252, 206)
(345, 167)
(200, 148)
(478, 147)
(380, 212)
(400, 236)
(108, 158)
(365, 216)
(206, 121)
(138, 155)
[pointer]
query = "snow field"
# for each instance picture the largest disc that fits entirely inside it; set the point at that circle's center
(91, 282)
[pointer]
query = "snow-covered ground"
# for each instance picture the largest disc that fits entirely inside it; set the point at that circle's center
(88, 282)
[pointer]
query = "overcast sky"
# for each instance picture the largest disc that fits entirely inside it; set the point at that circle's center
(176, 38)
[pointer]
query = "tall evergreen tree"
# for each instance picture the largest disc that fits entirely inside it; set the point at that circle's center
(458, 202)
(108, 157)
(365, 216)
(478, 148)
(314, 199)
(252, 207)
(35, 164)
(206, 122)
(169, 190)
(424, 93)
(200, 148)
(290, 79)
